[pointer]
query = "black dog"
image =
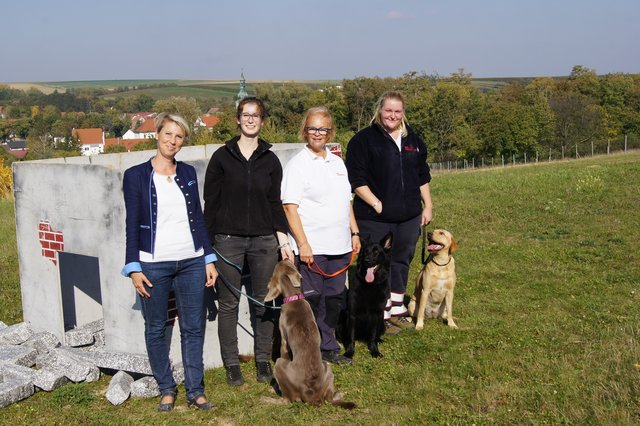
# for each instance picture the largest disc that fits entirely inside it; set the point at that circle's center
(367, 298)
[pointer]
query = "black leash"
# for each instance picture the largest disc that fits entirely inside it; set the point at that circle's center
(238, 291)
(423, 231)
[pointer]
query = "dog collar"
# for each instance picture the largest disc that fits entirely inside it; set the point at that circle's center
(293, 298)
(433, 260)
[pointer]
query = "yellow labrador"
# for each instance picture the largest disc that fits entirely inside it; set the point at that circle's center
(436, 281)
(300, 372)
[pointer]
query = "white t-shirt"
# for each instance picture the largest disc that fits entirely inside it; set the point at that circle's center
(320, 187)
(173, 234)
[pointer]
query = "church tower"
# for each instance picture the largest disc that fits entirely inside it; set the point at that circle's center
(243, 90)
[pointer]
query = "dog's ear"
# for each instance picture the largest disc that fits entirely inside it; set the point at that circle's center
(453, 247)
(295, 278)
(387, 241)
(274, 292)
(274, 284)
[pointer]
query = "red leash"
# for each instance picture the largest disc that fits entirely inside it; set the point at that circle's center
(318, 270)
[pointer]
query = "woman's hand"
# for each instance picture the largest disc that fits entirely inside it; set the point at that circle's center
(306, 254)
(356, 245)
(139, 282)
(378, 207)
(286, 253)
(212, 274)
(427, 215)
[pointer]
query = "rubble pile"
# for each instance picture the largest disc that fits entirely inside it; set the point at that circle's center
(32, 362)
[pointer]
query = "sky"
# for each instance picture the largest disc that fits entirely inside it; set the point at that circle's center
(71, 40)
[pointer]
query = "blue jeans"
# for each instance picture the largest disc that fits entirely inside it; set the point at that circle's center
(187, 279)
(261, 254)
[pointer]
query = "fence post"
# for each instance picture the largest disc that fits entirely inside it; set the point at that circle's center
(502, 160)
(608, 146)
(625, 143)
(525, 157)
(592, 147)
(514, 159)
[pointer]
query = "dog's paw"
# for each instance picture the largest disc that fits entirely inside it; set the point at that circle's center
(452, 324)
(376, 355)
(349, 354)
(419, 326)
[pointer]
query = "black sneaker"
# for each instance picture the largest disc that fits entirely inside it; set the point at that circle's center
(234, 375)
(263, 372)
(334, 357)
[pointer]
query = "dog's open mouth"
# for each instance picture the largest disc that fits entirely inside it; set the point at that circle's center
(434, 247)
(371, 274)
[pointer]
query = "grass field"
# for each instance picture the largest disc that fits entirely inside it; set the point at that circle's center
(205, 88)
(546, 302)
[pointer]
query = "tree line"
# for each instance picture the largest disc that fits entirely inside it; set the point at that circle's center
(457, 119)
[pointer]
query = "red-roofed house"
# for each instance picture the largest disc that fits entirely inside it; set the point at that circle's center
(144, 127)
(127, 143)
(91, 140)
(16, 147)
(207, 121)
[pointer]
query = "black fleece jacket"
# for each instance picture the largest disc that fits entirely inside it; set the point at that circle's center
(394, 176)
(241, 197)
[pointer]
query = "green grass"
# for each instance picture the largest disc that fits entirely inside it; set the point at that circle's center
(546, 302)
(10, 306)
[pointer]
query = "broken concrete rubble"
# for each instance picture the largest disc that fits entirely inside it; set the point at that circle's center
(132, 363)
(20, 355)
(56, 365)
(15, 384)
(85, 335)
(15, 334)
(119, 388)
(42, 342)
(74, 367)
(146, 387)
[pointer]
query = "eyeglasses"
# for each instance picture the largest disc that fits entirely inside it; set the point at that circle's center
(322, 131)
(246, 116)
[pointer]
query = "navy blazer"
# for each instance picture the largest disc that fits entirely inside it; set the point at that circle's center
(141, 205)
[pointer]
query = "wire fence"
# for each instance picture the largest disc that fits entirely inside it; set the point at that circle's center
(574, 152)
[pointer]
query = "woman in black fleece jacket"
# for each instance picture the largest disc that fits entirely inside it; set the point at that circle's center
(246, 222)
(388, 171)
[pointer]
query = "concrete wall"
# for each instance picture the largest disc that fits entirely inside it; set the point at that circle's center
(75, 205)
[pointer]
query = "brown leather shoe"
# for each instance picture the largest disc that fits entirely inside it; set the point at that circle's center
(391, 329)
(402, 322)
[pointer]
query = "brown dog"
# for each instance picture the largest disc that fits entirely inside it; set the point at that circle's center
(436, 281)
(300, 372)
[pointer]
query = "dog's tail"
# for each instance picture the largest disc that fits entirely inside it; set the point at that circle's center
(338, 402)
(343, 404)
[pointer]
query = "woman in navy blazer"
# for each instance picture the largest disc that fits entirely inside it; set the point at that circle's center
(168, 249)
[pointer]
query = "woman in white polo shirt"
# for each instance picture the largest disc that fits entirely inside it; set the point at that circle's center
(317, 201)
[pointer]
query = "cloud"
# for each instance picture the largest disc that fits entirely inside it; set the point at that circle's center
(396, 15)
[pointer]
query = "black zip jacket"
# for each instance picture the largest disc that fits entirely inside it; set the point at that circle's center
(395, 177)
(241, 197)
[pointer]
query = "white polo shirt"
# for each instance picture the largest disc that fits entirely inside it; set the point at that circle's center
(320, 187)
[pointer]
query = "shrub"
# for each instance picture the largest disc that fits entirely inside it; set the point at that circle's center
(6, 181)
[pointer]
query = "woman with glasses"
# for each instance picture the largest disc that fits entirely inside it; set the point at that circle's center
(167, 248)
(388, 170)
(246, 223)
(317, 200)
